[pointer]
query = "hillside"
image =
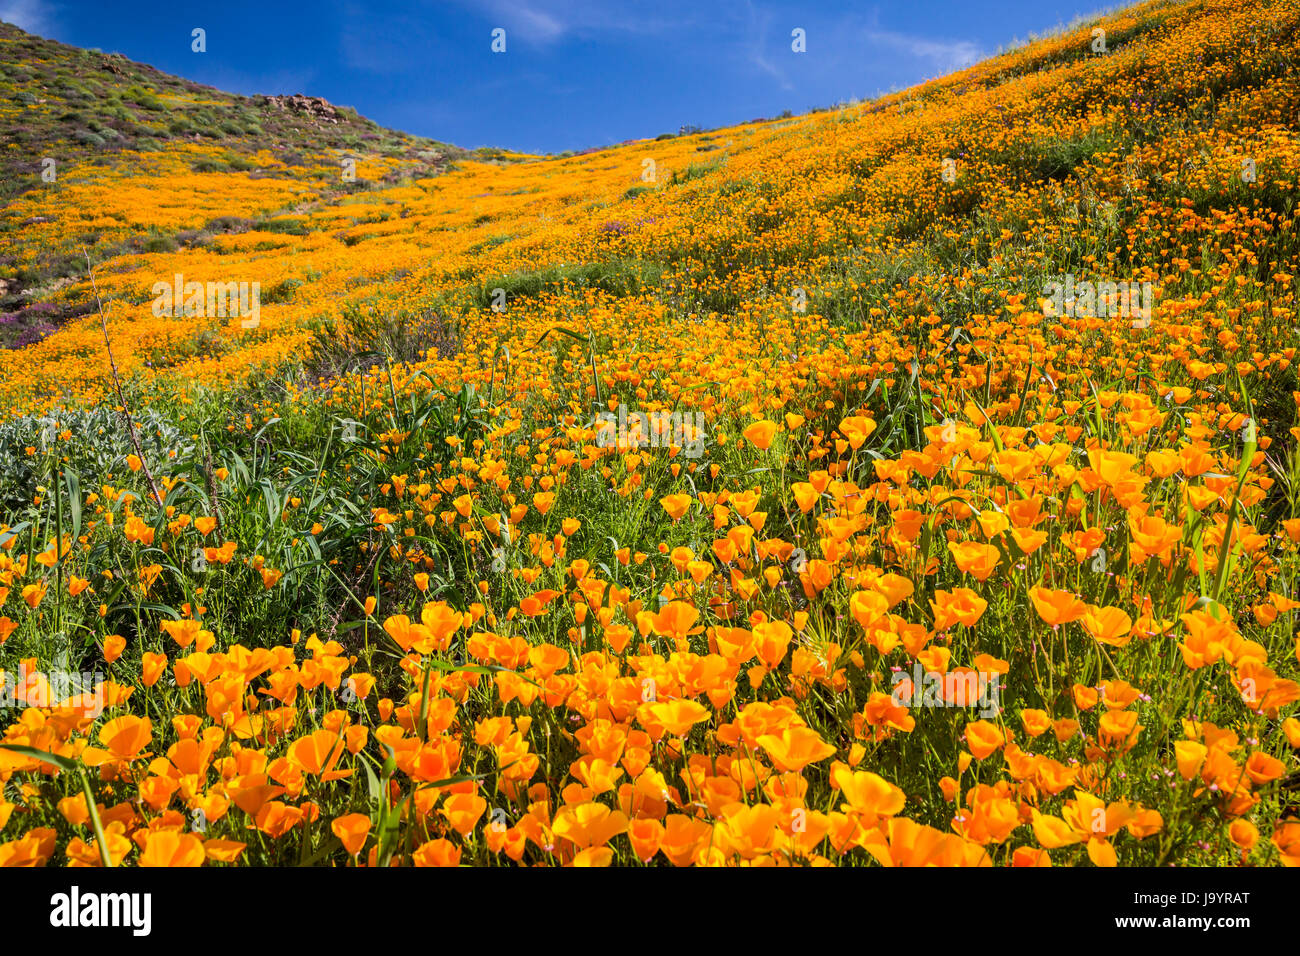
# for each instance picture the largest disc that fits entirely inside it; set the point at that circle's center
(988, 385)
(85, 117)
(88, 107)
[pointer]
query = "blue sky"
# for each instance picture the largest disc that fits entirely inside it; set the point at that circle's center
(575, 73)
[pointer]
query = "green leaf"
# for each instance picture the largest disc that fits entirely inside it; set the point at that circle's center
(372, 781)
(330, 845)
(74, 499)
(63, 763)
(13, 532)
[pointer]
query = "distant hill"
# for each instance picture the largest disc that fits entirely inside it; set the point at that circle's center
(99, 123)
(87, 106)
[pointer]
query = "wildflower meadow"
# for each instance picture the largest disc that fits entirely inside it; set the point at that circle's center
(910, 482)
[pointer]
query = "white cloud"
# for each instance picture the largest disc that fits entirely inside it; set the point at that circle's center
(30, 15)
(945, 55)
(756, 27)
(541, 22)
(538, 24)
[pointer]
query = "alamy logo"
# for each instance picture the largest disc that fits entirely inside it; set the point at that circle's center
(959, 688)
(1129, 300)
(684, 430)
(34, 689)
(73, 909)
(213, 300)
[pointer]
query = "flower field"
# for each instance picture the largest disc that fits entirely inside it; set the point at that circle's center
(731, 498)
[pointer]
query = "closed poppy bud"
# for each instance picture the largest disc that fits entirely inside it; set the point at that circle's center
(355, 738)
(151, 668)
(114, 644)
(1190, 755)
(963, 761)
(646, 836)
(74, 810)
(370, 605)
(983, 738)
(495, 837)
(352, 831)
(1291, 727)
(949, 787)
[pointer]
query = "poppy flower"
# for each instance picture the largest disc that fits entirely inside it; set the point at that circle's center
(976, 559)
(646, 836)
(867, 793)
(1107, 625)
(675, 717)
(761, 433)
(676, 620)
(959, 606)
(684, 838)
(439, 852)
(589, 824)
(463, 811)
(795, 747)
(173, 849)
(276, 819)
(318, 754)
(676, 505)
(124, 737)
(983, 738)
(1057, 607)
(535, 604)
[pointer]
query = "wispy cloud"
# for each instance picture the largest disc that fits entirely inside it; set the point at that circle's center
(390, 42)
(534, 23)
(543, 22)
(944, 55)
(757, 23)
(34, 16)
